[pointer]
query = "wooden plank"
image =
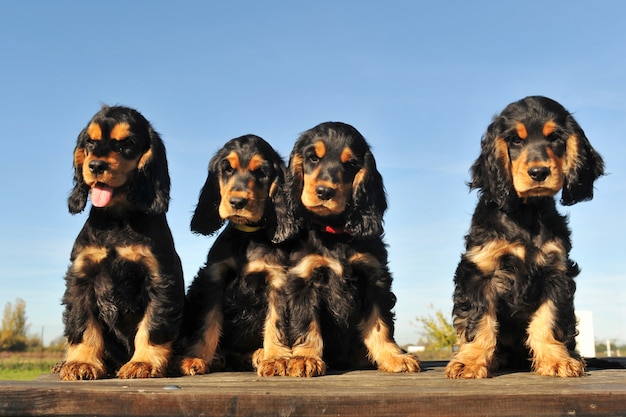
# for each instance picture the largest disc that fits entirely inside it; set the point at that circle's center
(355, 393)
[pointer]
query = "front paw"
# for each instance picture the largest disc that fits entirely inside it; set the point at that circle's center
(303, 366)
(272, 367)
(570, 367)
(457, 369)
(194, 366)
(134, 369)
(76, 371)
(400, 363)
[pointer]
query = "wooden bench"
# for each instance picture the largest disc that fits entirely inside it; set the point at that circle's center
(354, 393)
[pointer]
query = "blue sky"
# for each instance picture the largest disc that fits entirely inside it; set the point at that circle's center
(420, 80)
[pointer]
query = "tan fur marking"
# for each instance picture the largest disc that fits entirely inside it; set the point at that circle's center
(549, 128)
(487, 257)
(120, 131)
(94, 131)
(382, 349)
(276, 274)
(87, 258)
(320, 149)
(233, 160)
(552, 249)
(85, 360)
(521, 130)
(502, 154)
(145, 159)
(525, 186)
(550, 357)
(572, 155)
(202, 352)
(256, 162)
(346, 155)
(475, 359)
(79, 157)
(140, 254)
(308, 264)
(149, 360)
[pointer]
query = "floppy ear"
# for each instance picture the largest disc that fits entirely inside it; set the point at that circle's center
(491, 171)
(369, 201)
(150, 188)
(80, 193)
(583, 166)
(280, 217)
(206, 219)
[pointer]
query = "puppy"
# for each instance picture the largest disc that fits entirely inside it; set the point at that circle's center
(514, 285)
(231, 302)
(337, 297)
(124, 288)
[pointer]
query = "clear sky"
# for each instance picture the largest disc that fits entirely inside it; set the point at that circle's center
(421, 80)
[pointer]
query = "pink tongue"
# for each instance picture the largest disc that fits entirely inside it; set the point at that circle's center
(101, 195)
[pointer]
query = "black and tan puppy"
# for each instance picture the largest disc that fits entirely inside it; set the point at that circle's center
(231, 302)
(338, 296)
(125, 291)
(514, 294)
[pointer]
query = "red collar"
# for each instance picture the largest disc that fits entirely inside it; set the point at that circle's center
(333, 230)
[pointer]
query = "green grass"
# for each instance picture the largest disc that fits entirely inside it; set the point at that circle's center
(26, 366)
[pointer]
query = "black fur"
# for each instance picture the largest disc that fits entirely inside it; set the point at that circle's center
(516, 271)
(125, 270)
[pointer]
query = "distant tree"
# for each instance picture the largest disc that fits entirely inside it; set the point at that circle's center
(439, 333)
(14, 327)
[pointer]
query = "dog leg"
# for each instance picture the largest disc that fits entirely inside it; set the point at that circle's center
(307, 354)
(550, 356)
(85, 359)
(202, 352)
(476, 358)
(381, 347)
(149, 360)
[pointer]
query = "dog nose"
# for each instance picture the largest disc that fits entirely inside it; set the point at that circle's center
(238, 202)
(97, 167)
(325, 193)
(539, 173)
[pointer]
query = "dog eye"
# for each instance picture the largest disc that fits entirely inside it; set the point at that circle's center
(313, 158)
(226, 168)
(126, 147)
(515, 140)
(90, 145)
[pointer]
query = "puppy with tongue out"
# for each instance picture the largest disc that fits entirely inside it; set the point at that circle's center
(124, 288)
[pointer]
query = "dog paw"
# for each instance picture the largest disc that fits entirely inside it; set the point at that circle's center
(456, 369)
(571, 367)
(400, 363)
(303, 366)
(272, 367)
(133, 370)
(77, 371)
(194, 366)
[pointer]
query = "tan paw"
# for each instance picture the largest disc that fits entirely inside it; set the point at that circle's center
(400, 363)
(133, 370)
(272, 367)
(571, 367)
(302, 366)
(194, 366)
(76, 371)
(457, 369)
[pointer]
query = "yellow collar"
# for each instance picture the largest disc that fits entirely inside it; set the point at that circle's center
(246, 228)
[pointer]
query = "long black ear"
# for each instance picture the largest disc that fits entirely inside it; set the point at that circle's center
(280, 217)
(206, 219)
(583, 166)
(491, 172)
(369, 201)
(80, 193)
(150, 189)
